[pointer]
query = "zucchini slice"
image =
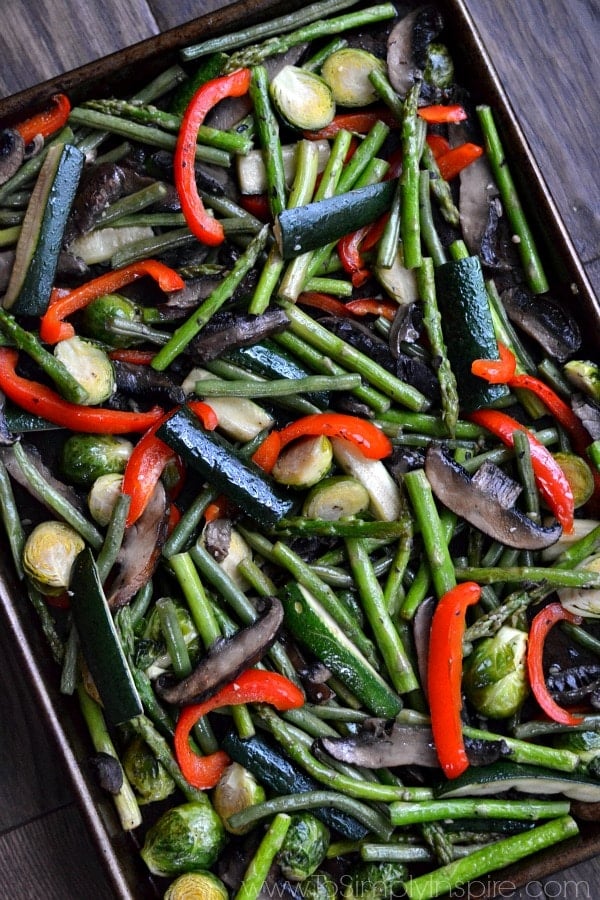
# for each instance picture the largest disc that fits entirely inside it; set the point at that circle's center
(41, 236)
(505, 776)
(468, 329)
(312, 625)
(100, 644)
(303, 228)
(244, 483)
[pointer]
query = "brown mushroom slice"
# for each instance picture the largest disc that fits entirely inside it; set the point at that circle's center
(485, 501)
(140, 551)
(12, 153)
(226, 658)
(400, 745)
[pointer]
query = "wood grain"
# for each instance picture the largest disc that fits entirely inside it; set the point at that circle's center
(546, 54)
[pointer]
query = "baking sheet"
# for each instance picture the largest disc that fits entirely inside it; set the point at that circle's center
(122, 73)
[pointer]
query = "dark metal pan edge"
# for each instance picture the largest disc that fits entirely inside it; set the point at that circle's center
(117, 852)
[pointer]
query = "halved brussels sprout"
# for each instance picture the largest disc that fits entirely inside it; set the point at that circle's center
(197, 886)
(103, 496)
(347, 71)
(439, 68)
(578, 474)
(304, 462)
(237, 790)
(303, 98)
(49, 554)
(495, 673)
(90, 366)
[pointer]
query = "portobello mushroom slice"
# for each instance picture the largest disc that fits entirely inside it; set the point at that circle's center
(225, 659)
(544, 320)
(12, 153)
(140, 551)
(384, 745)
(228, 331)
(486, 502)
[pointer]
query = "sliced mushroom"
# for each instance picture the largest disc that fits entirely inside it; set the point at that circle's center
(12, 152)
(143, 381)
(545, 320)
(141, 550)
(395, 745)
(226, 658)
(485, 501)
(228, 331)
(407, 46)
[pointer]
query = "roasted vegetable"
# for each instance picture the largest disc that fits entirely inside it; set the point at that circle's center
(495, 674)
(304, 847)
(186, 838)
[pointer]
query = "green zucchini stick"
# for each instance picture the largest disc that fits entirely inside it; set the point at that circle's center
(532, 264)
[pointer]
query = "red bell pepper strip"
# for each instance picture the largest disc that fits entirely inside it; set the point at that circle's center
(504, 371)
(149, 458)
(350, 253)
(370, 306)
(438, 114)
(438, 144)
(257, 205)
(549, 477)
(373, 443)
(206, 228)
(356, 122)
(538, 631)
(252, 686)
(48, 121)
(52, 327)
(42, 401)
(455, 160)
(324, 302)
(444, 675)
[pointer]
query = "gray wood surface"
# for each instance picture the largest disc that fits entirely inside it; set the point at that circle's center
(547, 54)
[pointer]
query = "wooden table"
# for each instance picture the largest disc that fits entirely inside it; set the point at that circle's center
(547, 55)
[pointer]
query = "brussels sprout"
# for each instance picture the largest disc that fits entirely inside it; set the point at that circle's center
(495, 676)
(103, 496)
(585, 376)
(375, 880)
(583, 601)
(319, 886)
(85, 457)
(101, 315)
(347, 71)
(439, 68)
(578, 474)
(196, 886)
(304, 847)
(237, 790)
(305, 462)
(145, 774)
(303, 98)
(90, 366)
(187, 838)
(336, 497)
(49, 554)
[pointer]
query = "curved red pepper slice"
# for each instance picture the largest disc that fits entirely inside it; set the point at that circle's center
(369, 306)
(539, 629)
(550, 478)
(252, 686)
(206, 228)
(438, 144)
(324, 302)
(369, 439)
(149, 458)
(356, 122)
(48, 121)
(503, 371)
(444, 675)
(42, 401)
(52, 327)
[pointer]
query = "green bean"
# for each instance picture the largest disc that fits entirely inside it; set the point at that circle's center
(433, 327)
(530, 258)
(463, 807)
(396, 661)
(439, 187)
(171, 631)
(11, 520)
(114, 537)
(429, 235)
(548, 575)
(279, 387)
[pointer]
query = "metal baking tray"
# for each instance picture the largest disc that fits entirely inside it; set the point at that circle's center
(120, 74)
